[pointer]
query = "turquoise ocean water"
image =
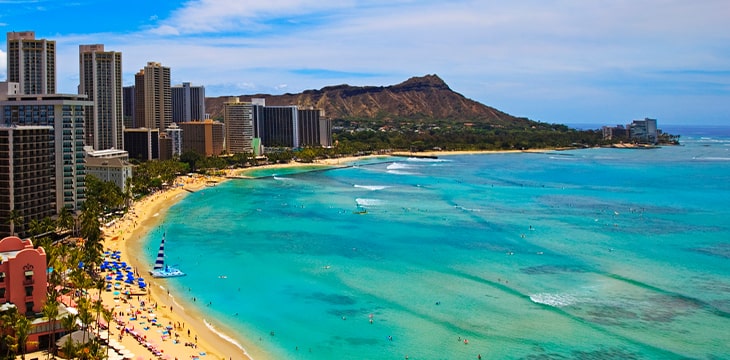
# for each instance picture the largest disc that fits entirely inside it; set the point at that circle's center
(585, 254)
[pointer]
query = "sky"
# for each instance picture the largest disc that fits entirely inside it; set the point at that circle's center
(560, 61)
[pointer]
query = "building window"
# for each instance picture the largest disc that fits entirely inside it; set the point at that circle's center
(2, 293)
(28, 291)
(2, 277)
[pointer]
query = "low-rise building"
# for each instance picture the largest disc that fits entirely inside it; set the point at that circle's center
(23, 278)
(113, 170)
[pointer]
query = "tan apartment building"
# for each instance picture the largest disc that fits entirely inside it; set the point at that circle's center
(100, 78)
(31, 63)
(204, 137)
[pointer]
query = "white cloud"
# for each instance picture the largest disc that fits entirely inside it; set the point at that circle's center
(515, 55)
(208, 16)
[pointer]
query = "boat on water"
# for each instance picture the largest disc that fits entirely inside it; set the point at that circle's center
(162, 270)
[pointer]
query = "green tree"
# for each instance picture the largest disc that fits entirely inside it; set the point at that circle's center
(15, 219)
(65, 220)
(9, 341)
(22, 331)
(68, 322)
(191, 158)
(105, 193)
(91, 232)
(50, 312)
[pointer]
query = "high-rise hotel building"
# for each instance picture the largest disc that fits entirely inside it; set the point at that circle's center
(101, 80)
(64, 113)
(27, 186)
(31, 63)
(188, 103)
(153, 98)
(42, 135)
(238, 118)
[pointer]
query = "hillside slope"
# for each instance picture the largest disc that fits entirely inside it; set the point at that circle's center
(419, 98)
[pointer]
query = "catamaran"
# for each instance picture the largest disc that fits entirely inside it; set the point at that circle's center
(161, 270)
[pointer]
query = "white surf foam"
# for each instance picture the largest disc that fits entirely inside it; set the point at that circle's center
(225, 337)
(399, 166)
(368, 202)
(429, 160)
(372, 187)
(554, 300)
(398, 172)
(467, 209)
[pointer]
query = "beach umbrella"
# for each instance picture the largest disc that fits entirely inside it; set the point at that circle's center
(116, 293)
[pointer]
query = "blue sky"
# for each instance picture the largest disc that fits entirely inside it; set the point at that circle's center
(560, 61)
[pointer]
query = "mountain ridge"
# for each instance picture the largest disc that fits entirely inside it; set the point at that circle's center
(421, 98)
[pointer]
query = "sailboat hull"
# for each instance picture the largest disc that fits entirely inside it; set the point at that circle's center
(166, 273)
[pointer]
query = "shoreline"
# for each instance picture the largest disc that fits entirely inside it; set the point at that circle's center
(212, 339)
(126, 236)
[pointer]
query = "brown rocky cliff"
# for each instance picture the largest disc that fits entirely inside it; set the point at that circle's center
(418, 98)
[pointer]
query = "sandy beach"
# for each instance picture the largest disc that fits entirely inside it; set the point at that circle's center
(170, 309)
(188, 325)
(189, 337)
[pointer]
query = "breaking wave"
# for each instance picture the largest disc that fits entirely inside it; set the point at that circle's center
(372, 187)
(368, 202)
(554, 300)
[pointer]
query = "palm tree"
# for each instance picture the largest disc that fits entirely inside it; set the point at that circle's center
(22, 330)
(93, 247)
(35, 228)
(108, 317)
(68, 322)
(97, 304)
(128, 194)
(85, 315)
(15, 218)
(50, 312)
(65, 219)
(8, 339)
